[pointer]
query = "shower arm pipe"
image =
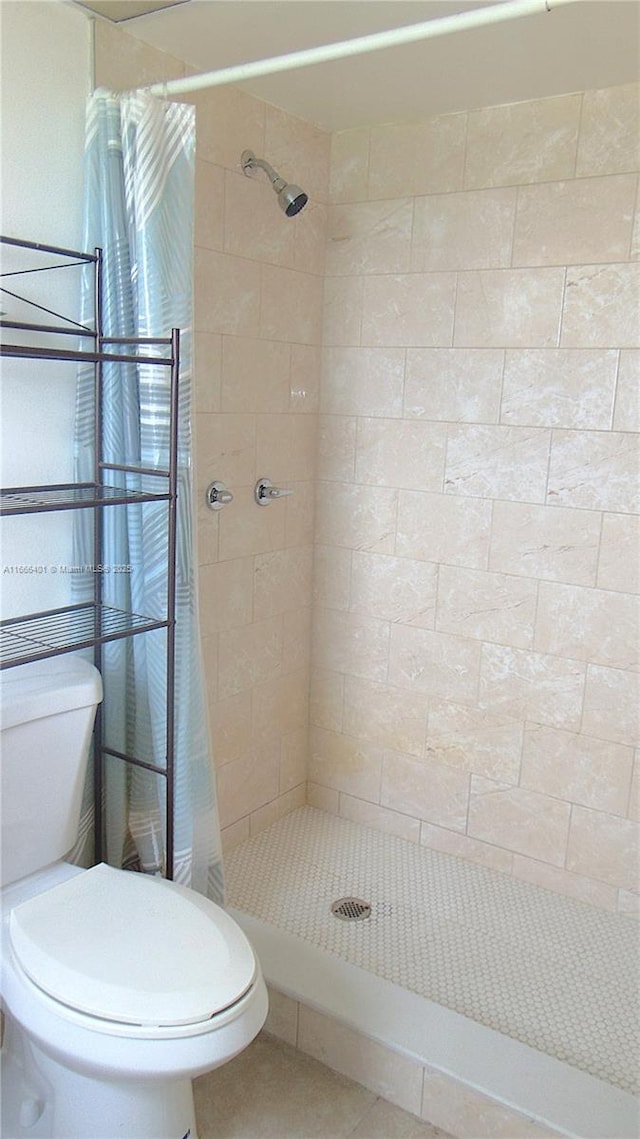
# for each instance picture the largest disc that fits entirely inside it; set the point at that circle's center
(394, 37)
(277, 181)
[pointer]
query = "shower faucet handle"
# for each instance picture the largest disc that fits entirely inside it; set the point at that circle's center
(218, 496)
(265, 492)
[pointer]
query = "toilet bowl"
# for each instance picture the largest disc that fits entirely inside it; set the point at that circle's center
(117, 989)
(88, 1050)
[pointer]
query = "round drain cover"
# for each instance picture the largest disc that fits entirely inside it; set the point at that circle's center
(351, 909)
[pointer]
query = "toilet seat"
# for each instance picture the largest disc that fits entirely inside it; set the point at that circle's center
(131, 949)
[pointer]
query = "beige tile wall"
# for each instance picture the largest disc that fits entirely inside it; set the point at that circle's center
(476, 617)
(258, 319)
(474, 410)
(258, 322)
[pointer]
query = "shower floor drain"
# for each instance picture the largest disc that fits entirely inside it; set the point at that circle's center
(351, 909)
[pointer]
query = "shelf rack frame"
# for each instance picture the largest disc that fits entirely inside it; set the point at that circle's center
(37, 636)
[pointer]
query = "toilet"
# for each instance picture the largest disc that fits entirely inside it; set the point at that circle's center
(117, 988)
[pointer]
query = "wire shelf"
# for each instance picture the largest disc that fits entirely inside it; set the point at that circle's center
(27, 351)
(70, 629)
(70, 496)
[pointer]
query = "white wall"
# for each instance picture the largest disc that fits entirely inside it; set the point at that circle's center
(45, 80)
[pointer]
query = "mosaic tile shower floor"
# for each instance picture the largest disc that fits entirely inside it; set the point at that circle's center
(554, 973)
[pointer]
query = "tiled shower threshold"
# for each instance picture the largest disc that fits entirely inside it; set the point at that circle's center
(526, 996)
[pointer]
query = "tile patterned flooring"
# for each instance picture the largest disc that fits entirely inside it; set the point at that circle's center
(555, 973)
(272, 1091)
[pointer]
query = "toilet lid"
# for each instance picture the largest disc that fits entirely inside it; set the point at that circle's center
(134, 949)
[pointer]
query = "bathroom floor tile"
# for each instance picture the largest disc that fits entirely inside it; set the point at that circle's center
(385, 1121)
(272, 1091)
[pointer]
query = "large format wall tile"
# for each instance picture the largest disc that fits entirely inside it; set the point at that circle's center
(415, 309)
(357, 517)
(487, 606)
(299, 150)
(383, 819)
(285, 448)
(523, 142)
(417, 158)
(291, 305)
(460, 845)
(601, 306)
(246, 784)
(435, 663)
(428, 790)
(619, 564)
(400, 453)
(589, 624)
(363, 381)
(565, 882)
(242, 531)
(595, 470)
(349, 165)
(232, 580)
(226, 445)
(255, 375)
(385, 715)
(351, 643)
(454, 384)
(345, 764)
(326, 699)
(394, 589)
(523, 821)
(474, 740)
(332, 576)
(370, 237)
(604, 847)
(560, 388)
(509, 308)
(588, 771)
(228, 121)
(609, 140)
(336, 461)
(249, 653)
(497, 462)
(471, 230)
(251, 227)
(209, 205)
(234, 309)
(281, 581)
(532, 686)
(612, 705)
(342, 310)
(581, 221)
(544, 542)
(444, 528)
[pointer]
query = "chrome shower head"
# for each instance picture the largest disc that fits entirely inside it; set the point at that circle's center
(290, 197)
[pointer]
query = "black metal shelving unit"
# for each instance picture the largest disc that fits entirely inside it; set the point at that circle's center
(90, 625)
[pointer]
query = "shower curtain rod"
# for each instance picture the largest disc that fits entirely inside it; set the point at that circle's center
(478, 17)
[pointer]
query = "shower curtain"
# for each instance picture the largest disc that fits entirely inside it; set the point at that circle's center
(139, 189)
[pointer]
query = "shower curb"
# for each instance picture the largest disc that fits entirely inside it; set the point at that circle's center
(515, 1077)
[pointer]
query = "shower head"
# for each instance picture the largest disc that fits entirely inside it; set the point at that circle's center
(291, 198)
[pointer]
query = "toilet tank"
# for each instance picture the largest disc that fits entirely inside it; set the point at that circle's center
(47, 710)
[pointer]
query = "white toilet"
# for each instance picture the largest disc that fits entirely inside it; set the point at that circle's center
(117, 988)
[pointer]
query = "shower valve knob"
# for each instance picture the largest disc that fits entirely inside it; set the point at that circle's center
(218, 496)
(265, 492)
